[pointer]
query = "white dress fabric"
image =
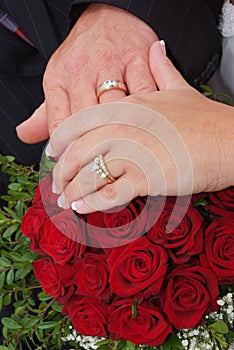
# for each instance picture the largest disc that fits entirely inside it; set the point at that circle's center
(223, 79)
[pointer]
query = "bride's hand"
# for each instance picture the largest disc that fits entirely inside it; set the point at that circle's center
(187, 148)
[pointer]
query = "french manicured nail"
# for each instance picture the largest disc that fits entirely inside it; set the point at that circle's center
(163, 47)
(62, 202)
(54, 189)
(48, 150)
(77, 205)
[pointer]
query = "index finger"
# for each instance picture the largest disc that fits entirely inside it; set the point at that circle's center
(57, 107)
(91, 118)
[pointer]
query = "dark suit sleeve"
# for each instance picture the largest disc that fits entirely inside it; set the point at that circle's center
(189, 28)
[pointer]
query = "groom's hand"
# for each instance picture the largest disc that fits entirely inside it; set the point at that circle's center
(106, 43)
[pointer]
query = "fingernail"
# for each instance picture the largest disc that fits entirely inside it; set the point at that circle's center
(163, 47)
(54, 189)
(48, 150)
(77, 205)
(62, 202)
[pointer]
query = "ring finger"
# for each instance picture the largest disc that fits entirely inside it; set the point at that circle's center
(87, 181)
(109, 93)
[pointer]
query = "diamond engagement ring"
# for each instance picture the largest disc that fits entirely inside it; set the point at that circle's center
(110, 84)
(100, 168)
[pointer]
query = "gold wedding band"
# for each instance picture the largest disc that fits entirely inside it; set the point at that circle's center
(110, 84)
(100, 168)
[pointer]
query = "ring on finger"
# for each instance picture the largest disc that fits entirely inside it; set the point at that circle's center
(100, 168)
(110, 84)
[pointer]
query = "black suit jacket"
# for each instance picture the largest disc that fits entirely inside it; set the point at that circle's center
(189, 28)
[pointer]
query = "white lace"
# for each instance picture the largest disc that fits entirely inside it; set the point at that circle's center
(226, 24)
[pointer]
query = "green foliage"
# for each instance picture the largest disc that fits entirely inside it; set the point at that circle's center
(221, 97)
(36, 320)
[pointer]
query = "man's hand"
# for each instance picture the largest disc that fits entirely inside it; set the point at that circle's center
(105, 43)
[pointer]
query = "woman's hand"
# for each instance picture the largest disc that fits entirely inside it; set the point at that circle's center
(187, 148)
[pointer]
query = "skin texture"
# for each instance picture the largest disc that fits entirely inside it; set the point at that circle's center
(190, 149)
(105, 43)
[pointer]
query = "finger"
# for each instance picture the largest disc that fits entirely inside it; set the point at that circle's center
(77, 155)
(110, 196)
(112, 94)
(87, 182)
(95, 117)
(35, 128)
(165, 74)
(138, 76)
(57, 107)
(82, 95)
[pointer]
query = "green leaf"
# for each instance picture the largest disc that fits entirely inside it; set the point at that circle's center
(19, 209)
(28, 257)
(15, 256)
(47, 325)
(10, 323)
(104, 342)
(56, 307)
(10, 159)
(44, 297)
(20, 310)
(28, 323)
(12, 213)
(129, 345)
(202, 202)
(10, 276)
(206, 88)
(5, 332)
(10, 230)
(14, 186)
(220, 327)
(3, 347)
(4, 262)
(103, 347)
(11, 346)
(173, 342)
(7, 299)
(23, 272)
(2, 279)
(1, 302)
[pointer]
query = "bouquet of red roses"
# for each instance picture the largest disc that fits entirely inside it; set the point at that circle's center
(137, 273)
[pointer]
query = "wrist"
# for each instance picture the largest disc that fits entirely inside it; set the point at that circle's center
(225, 145)
(115, 18)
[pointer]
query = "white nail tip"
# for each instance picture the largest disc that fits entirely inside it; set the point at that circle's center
(54, 190)
(48, 150)
(73, 206)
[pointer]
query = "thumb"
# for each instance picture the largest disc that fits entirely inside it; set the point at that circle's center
(165, 74)
(35, 128)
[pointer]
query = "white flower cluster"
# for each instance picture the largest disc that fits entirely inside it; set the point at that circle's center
(87, 342)
(199, 337)
(226, 308)
(192, 339)
(196, 339)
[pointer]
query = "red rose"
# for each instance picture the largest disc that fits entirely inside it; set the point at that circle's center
(148, 327)
(91, 275)
(88, 316)
(223, 199)
(219, 249)
(138, 267)
(45, 197)
(110, 229)
(33, 225)
(55, 279)
(185, 237)
(191, 291)
(62, 233)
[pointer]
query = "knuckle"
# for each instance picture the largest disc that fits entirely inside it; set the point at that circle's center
(109, 193)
